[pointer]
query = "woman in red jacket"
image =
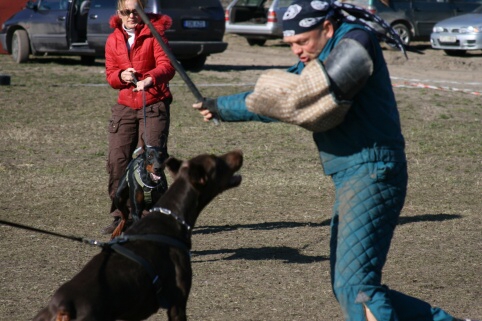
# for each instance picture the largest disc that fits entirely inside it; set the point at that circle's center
(138, 67)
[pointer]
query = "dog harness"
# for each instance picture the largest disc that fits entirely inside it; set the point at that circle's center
(116, 245)
(145, 187)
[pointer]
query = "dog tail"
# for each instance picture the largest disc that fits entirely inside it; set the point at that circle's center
(119, 229)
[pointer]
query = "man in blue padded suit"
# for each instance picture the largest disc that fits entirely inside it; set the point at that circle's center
(340, 89)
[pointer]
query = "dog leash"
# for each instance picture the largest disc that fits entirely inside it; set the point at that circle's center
(69, 237)
(116, 241)
(116, 246)
(134, 81)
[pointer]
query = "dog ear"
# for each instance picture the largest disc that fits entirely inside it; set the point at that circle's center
(197, 175)
(173, 165)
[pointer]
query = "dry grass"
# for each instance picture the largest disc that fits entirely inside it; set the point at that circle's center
(260, 251)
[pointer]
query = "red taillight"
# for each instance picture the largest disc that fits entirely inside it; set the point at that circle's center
(372, 10)
(272, 16)
(226, 15)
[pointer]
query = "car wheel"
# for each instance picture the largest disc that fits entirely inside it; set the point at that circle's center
(256, 42)
(194, 64)
(87, 60)
(403, 32)
(456, 53)
(20, 46)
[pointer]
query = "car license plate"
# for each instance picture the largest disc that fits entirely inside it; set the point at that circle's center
(195, 24)
(448, 39)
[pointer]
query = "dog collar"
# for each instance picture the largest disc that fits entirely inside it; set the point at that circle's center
(175, 216)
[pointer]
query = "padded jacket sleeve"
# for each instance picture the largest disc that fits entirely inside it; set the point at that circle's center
(233, 108)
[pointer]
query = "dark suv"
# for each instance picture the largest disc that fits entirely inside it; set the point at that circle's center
(81, 28)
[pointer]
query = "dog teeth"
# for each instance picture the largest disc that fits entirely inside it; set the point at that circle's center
(154, 177)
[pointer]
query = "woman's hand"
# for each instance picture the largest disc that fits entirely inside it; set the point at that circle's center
(128, 75)
(141, 84)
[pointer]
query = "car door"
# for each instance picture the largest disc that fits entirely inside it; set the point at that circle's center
(464, 6)
(426, 13)
(48, 25)
(98, 28)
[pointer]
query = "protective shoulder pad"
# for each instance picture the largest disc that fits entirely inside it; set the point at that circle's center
(348, 66)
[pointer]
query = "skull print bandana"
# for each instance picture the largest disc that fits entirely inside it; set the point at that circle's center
(305, 15)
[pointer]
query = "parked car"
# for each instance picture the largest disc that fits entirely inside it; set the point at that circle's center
(81, 28)
(414, 19)
(458, 34)
(258, 20)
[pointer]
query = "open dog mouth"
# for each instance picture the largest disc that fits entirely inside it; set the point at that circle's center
(154, 177)
(235, 181)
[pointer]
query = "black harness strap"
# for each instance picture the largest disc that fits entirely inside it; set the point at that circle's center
(116, 246)
(155, 238)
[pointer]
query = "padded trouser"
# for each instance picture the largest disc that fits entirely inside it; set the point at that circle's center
(369, 199)
(126, 133)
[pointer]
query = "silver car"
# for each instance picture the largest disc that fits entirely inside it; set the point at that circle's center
(256, 20)
(458, 34)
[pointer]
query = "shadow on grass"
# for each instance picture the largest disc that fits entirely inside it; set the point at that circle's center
(281, 253)
(427, 218)
(267, 226)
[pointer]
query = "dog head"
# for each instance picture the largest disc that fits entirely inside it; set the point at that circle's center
(154, 159)
(210, 175)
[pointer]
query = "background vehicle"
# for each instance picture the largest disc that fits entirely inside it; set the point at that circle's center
(256, 20)
(458, 34)
(81, 28)
(414, 19)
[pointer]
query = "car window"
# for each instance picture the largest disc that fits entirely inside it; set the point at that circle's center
(54, 4)
(104, 4)
(366, 3)
(467, 1)
(284, 3)
(189, 3)
(249, 3)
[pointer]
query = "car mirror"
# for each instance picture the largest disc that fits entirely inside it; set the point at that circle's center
(31, 5)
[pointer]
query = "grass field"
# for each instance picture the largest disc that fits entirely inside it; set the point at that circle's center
(260, 251)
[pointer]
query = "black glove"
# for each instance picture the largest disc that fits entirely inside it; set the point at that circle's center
(211, 105)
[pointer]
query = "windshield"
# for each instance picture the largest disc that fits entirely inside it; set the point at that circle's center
(189, 3)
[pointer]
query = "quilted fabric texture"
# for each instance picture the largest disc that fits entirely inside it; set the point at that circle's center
(304, 100)
(369, 198)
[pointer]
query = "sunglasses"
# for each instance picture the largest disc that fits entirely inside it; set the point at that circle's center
(128, 12)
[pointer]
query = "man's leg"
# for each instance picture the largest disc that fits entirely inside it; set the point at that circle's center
(369, 199)
(368, 202)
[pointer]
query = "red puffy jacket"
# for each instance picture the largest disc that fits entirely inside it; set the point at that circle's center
(146, 56)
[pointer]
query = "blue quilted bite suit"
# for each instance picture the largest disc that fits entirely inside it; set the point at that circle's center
(365, 156)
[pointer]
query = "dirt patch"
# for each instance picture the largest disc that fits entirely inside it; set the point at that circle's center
(261, 251)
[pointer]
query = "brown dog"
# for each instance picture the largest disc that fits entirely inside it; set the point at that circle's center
(149, 267)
